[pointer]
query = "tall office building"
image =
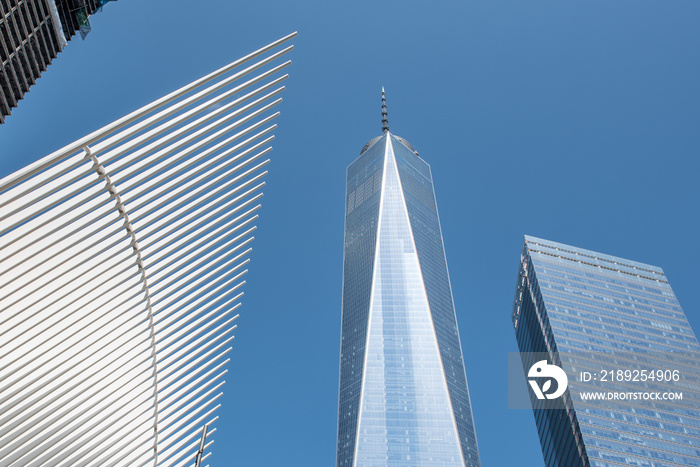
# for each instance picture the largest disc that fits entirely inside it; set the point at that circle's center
(123, 258)
(603, 316)
(403, 398)
(32, 32)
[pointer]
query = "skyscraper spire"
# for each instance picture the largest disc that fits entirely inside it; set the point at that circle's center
(385, 120)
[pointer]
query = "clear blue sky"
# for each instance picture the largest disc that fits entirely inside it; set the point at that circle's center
(571, 121)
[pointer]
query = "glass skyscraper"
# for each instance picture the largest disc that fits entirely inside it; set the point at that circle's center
(403, 398)
(616, 328)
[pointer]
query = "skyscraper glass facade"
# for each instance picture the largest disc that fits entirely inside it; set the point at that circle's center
(403, 398)
(595, 314)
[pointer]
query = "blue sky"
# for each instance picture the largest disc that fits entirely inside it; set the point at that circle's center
(574, 122)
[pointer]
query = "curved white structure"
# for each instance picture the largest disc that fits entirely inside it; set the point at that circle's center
(122, 260)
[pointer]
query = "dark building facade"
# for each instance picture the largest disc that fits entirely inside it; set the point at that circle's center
(403, 396)
(619, 323)
(32, 33)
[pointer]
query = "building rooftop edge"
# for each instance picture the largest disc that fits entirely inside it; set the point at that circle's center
(401, 140)
(594, 254)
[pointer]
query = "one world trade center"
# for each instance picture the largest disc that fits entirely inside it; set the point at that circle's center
(403, 398)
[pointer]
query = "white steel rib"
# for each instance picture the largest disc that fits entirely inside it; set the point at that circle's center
(122, 258)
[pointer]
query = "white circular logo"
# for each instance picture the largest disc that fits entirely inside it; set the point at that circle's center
(546, 372)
